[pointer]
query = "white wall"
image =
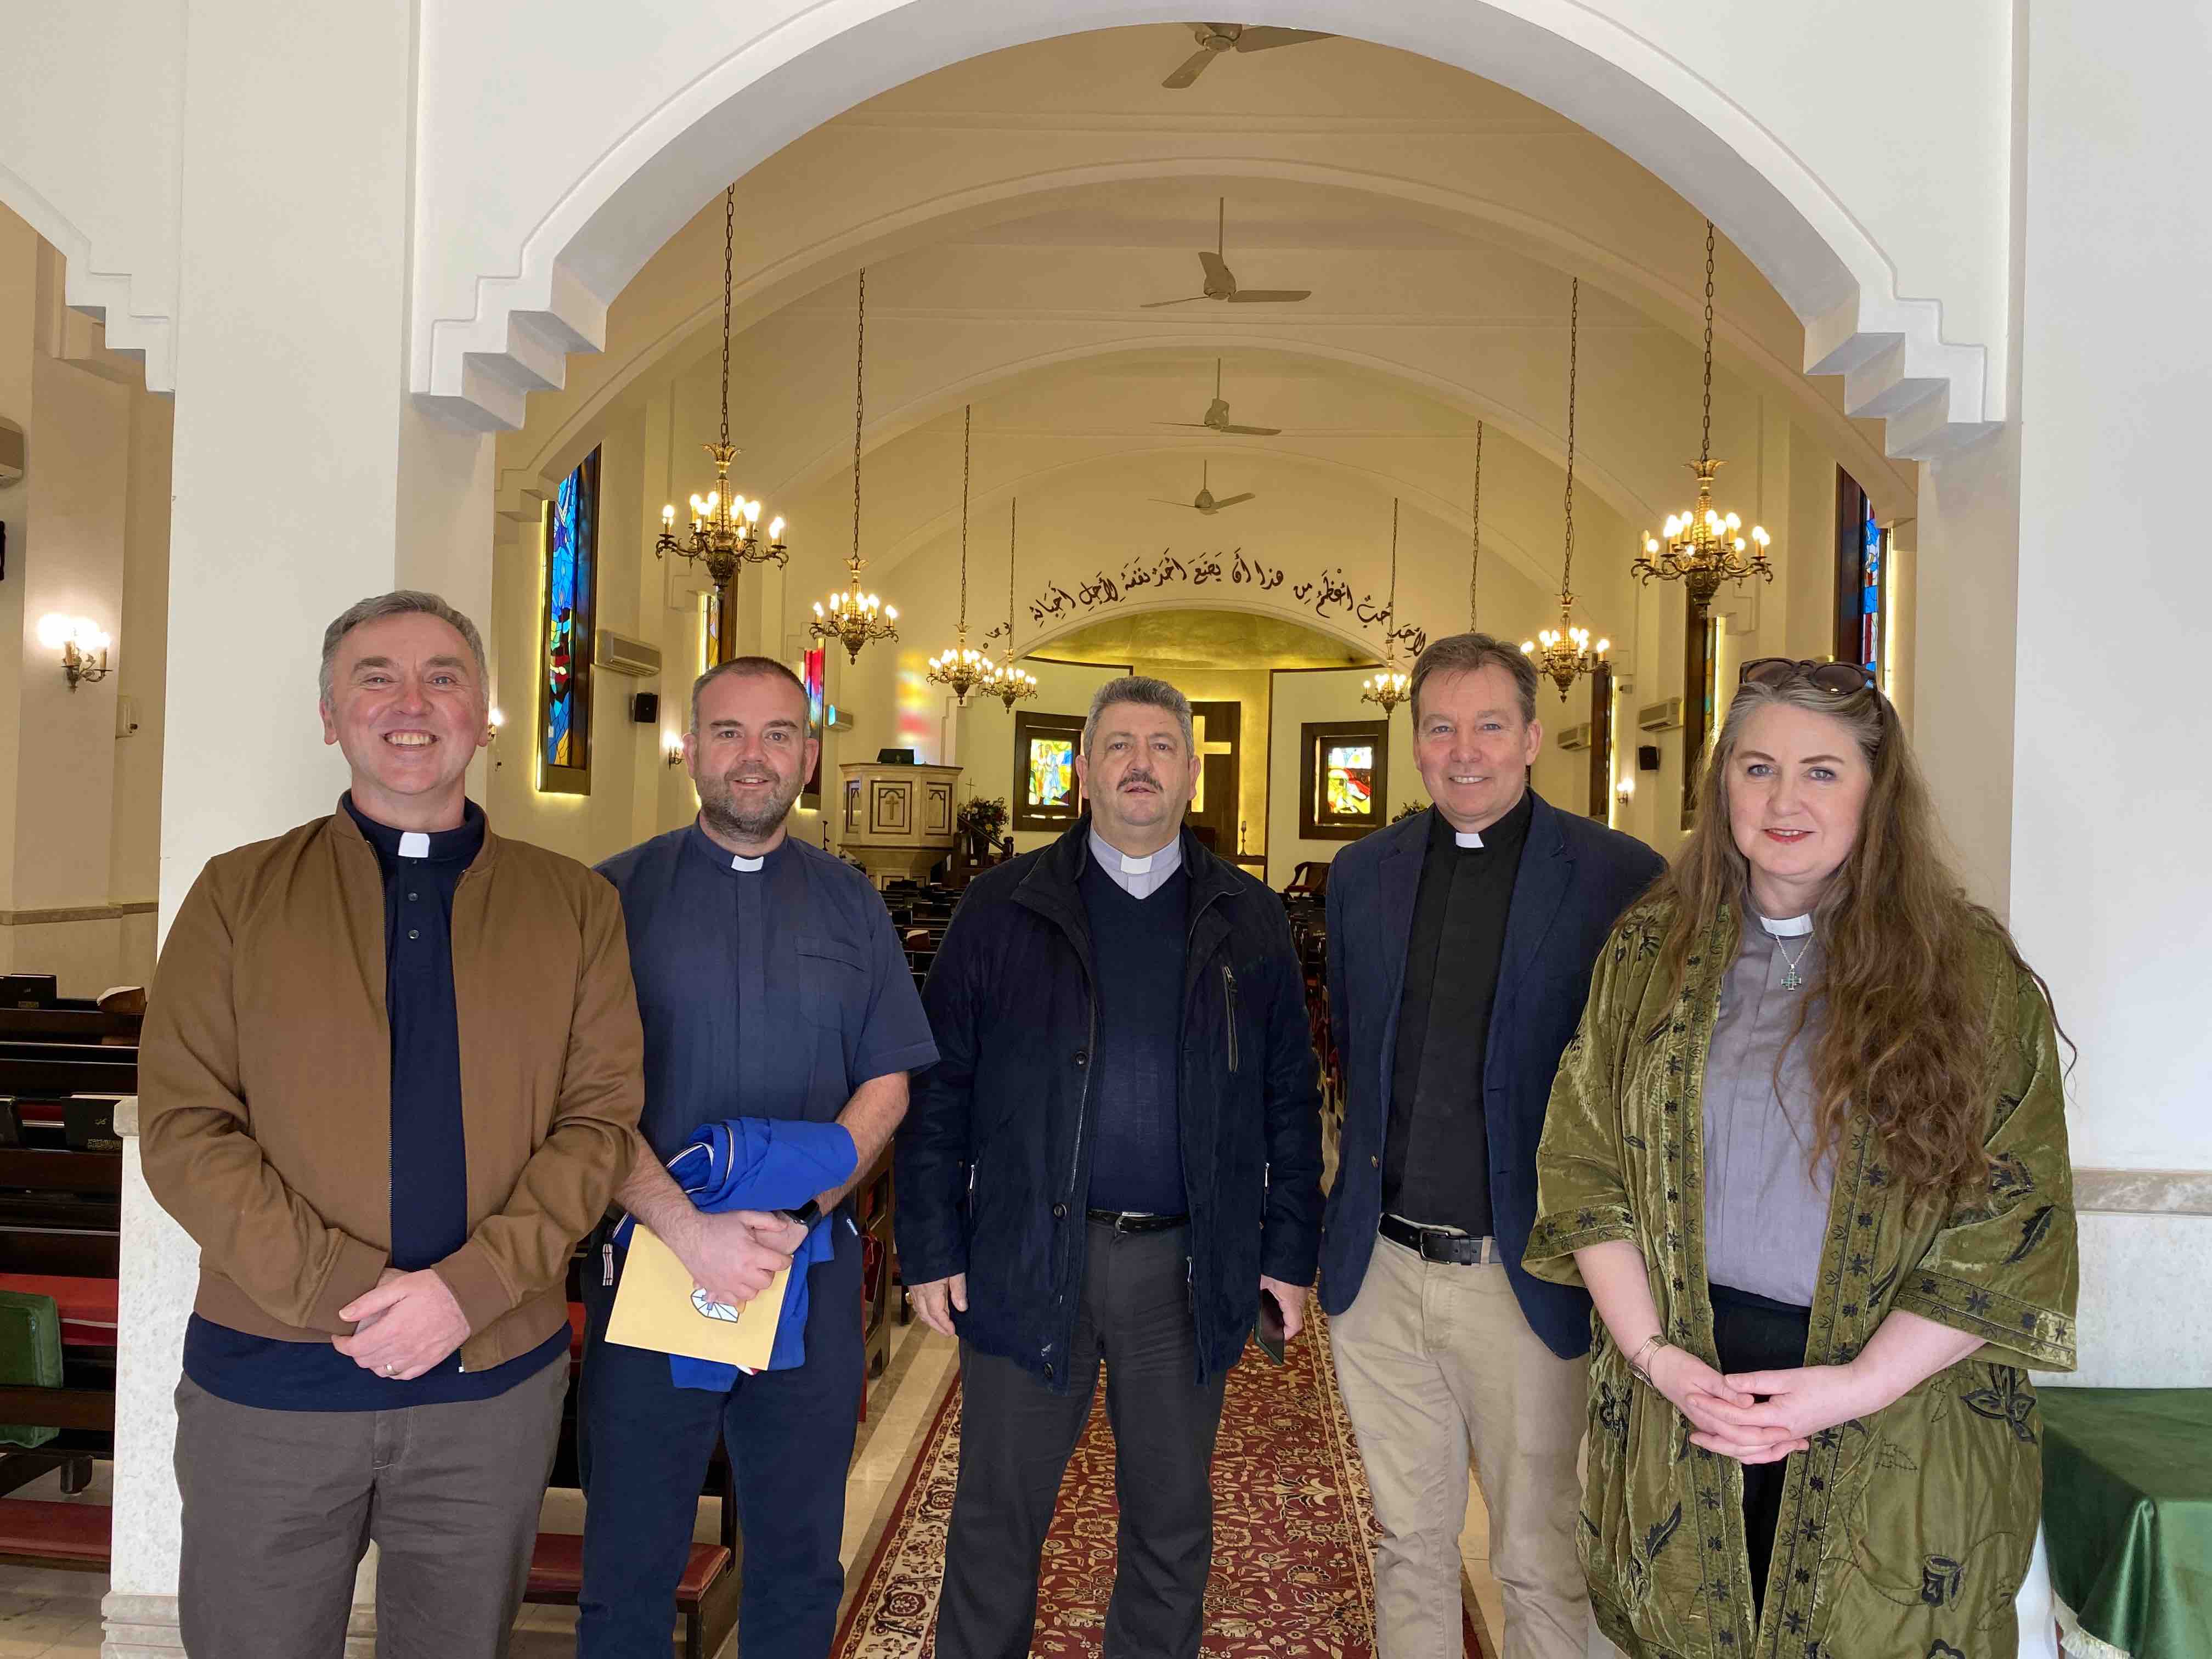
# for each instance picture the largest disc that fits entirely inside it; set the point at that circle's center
(2110, 886)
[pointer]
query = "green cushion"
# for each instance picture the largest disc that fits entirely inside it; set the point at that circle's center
(30, 1355)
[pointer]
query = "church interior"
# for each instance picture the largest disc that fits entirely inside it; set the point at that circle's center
(965, 363)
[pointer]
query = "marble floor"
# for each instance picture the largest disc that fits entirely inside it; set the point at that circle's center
(55, 1616)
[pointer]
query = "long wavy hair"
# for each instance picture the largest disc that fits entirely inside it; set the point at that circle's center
(1907, 1040)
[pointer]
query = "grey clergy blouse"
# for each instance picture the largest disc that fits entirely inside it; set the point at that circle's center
(1765, 1213)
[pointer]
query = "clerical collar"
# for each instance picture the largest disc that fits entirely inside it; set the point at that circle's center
(723, 859)
(1788, 927)
(1163, 863)
(1506, 832)
(457, 845)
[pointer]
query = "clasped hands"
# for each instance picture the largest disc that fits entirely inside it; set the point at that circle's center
(733, 1256)
(1761, 1416)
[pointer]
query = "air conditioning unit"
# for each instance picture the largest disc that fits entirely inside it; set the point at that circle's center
(619, 655)
(1576, 736)
(1660, 716)
(835, 719)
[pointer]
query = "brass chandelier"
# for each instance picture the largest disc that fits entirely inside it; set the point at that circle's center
(962, 668)
(1566, 654)
(852, 617)
(1008, 683)
(725, 534)
(1392, 686)
(1705, 547)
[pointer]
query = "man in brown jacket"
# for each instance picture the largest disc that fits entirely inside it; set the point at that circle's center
(389, 1076)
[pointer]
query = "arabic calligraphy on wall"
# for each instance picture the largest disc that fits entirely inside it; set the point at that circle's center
(1327, 596)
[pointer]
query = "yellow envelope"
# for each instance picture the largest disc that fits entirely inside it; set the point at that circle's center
(656, 1308)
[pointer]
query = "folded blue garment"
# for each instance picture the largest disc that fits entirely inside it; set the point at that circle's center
(762, 1163)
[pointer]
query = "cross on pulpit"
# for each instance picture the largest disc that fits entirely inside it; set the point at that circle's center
(1205, 748)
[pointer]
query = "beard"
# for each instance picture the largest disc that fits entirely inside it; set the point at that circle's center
(718, 805)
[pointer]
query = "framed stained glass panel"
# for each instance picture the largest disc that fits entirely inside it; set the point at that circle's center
(1343, 768)
(1047, 793)
(813, 673)
(567, 623)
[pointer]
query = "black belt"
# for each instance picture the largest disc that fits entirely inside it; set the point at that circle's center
(1435, 1244)
(1125, 1221)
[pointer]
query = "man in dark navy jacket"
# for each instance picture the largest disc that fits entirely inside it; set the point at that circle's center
(1118, 1151)
(1461, 942)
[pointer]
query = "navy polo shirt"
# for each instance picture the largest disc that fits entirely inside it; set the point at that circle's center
(429, 1152)
(768, 987)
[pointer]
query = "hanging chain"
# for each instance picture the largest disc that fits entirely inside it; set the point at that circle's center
(1705, 444)
(966, 425)
(1475, 555)
(1390, 639)
(860, 367)
(1574, 330)
(1013, 510)
(729, 250)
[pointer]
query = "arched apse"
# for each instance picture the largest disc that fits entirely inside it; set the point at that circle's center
(503, 294)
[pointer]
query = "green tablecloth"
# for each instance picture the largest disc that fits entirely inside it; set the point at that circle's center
(2127, 1512)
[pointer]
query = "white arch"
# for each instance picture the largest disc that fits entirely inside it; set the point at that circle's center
(812, 63)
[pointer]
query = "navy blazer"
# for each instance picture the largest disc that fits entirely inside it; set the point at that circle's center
(1576, 876)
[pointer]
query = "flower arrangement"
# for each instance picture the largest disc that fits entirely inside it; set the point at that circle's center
(983, 816)
(1407, 810)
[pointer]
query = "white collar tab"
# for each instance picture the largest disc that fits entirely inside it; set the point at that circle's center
(739, 861)
(1467, 837)
(414, 844)
(1788, 927)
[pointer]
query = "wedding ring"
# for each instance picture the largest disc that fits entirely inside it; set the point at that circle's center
(391, 1371)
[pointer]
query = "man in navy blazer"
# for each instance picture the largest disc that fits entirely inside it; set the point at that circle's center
(1461, 942)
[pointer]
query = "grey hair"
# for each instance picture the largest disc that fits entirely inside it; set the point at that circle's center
(405, 602)
(1150, 694)
(1463, 654)
(747, 668)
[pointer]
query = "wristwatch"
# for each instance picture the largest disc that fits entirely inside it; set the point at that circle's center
(806, 1214)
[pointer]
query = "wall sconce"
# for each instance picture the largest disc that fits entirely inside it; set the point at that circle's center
(675, 755)
(493, 721)
(1624, 791)
(81, 641)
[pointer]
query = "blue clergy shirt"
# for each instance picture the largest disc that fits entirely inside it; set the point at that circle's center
(429, 1155)
(770, 988)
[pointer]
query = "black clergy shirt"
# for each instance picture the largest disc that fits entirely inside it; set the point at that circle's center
(1436, 1158)
(768, 987)
(428, 1169)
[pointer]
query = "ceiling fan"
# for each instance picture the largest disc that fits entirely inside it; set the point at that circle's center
(1221, 285)
(1217, 417)
(1214, 38)
(1204, 502)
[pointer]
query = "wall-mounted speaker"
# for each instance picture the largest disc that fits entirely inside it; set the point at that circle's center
(645, 708)
(1647, 757)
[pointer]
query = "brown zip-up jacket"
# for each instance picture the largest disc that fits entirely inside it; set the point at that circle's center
(264, 1075)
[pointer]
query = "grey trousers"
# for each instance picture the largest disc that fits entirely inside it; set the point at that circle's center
(279, 1508)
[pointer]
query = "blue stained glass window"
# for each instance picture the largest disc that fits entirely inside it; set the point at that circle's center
(571, 586)
(1871, 554)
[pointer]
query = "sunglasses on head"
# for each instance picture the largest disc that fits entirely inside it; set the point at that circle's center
(1839, 678)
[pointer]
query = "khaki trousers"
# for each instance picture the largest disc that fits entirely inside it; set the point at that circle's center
(1434, 1361)
(279, 1508)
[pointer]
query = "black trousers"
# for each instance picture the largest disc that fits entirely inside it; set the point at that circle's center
(1753, 1333)
(644, 1444)
(1017, 1435)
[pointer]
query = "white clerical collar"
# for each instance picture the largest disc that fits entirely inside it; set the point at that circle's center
(414, 844)
(739, 861)
(1112, 858)
(1467, 837)
(1788, 927)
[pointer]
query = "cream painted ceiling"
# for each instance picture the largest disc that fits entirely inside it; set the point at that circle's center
(1165, 640)
(1015, 212)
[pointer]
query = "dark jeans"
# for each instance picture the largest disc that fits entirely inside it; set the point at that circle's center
(644, 1443)
(1751, 1333)
(279, 1508)
(1017, 1435)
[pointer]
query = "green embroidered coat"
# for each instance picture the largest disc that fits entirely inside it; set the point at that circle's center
(1903, 1535)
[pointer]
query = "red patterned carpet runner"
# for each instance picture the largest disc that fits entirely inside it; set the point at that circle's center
(1293, 1575)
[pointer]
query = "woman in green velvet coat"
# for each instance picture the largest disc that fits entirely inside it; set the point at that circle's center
(1808, 1152)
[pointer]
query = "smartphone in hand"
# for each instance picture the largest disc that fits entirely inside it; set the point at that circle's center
(1269, 1333)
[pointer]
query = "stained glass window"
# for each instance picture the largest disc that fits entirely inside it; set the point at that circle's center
(1047, 795)
(813, 674)
(1351, 779)
(1343, 778)
(564, 691)
(1052, 771)
(1862, 557)
(1874, 549)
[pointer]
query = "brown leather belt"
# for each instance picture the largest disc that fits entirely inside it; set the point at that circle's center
(1437, 1244)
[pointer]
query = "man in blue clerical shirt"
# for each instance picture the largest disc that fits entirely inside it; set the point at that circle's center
(772, 987)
